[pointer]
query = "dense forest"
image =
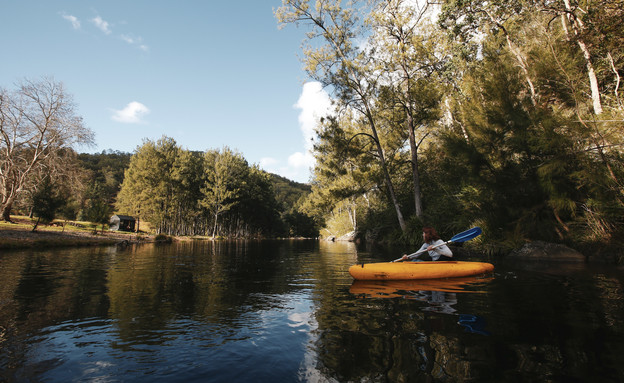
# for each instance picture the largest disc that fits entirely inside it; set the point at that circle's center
(213, 193)
(504, 114)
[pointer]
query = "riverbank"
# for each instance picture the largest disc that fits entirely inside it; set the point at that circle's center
(19, 235)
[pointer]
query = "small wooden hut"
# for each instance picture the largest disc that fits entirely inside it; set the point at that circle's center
(122, 223)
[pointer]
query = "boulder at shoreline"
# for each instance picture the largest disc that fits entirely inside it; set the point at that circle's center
(545, 251)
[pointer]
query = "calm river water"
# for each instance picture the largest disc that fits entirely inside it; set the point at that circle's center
(288, 311)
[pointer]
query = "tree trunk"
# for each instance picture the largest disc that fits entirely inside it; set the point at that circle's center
(6, 210)
(214, 229)
(523, 66)
(593, 81)
(414, 162)
(518, 55)
(388, 180)
(36, 224)
(577, 26)
(617, 80)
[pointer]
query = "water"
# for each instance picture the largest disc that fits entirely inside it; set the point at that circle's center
(288, 311)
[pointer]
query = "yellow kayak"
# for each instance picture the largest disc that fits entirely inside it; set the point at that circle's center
(395, 271)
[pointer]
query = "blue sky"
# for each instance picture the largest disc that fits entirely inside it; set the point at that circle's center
(206, 73)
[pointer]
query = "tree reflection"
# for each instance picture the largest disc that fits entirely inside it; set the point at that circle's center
(388, 333)
(199, 300)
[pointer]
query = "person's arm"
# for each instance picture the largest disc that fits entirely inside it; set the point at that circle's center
(444, 250)
(422, 248)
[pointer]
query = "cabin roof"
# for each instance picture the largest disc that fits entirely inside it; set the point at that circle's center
(124, 217)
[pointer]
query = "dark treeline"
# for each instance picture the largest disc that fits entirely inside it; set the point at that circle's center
(503, 114)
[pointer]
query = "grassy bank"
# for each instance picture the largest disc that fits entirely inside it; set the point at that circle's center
(19, 234)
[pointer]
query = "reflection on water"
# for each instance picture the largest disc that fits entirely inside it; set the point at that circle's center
(289, 311)
(392, 289)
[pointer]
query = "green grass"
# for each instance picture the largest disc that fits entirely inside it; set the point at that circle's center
(19, 235)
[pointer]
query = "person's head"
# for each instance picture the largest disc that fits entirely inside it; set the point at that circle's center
(429, 234)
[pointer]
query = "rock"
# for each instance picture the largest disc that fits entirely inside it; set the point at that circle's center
(347, 237)
(545, 251)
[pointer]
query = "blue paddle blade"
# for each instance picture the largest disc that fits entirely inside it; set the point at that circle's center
(466, 235)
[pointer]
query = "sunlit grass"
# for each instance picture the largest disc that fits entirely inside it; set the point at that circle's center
(19, 234)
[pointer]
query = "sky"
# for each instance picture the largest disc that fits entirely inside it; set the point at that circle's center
(208, 74)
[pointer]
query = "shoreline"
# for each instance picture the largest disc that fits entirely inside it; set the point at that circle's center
(25, 239)
(19, 236)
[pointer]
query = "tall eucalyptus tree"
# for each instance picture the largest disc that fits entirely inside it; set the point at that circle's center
(335, 56)
(406, 53)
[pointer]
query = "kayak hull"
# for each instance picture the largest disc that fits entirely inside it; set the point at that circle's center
(397, 271)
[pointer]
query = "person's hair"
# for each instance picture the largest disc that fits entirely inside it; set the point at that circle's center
(430, 234)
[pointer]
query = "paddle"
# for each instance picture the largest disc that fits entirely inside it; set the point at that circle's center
(457, 238)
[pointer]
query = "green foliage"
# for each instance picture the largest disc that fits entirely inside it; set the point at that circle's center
(525, 170)
(46, 201)
(107, 169)
(96, 208)
(289, 193)
(213, 193)
(147, 189)
(162, 238)
(289, 198)
(224, 170)
(519, 145)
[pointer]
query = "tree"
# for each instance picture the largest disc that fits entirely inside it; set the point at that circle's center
(188, 179)
(257, 206)
(46, 201)
(36, 122)
(471, 19)
(148, 187)
(97, 209)
(220, 191)
(528, 171)
(288, 197)
(344, 172)
(107, 169)
(406, 55)
(572, 16)
(341, 64)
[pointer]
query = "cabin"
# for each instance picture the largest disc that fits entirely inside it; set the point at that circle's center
(122, 223)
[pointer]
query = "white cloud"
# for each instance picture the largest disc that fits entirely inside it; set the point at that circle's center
(314, 103)
(129, 39)
(268, 162)
(300, 160)
(73, 20)
(101, 25)
(138, 41)
(131, 114)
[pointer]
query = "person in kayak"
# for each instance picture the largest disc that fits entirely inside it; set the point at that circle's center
(432, 239)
